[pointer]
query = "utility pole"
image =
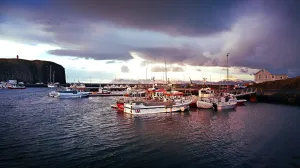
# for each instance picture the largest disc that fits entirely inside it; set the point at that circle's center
(166, 72)
(146, 72)
(210, 80)
(227, 67)
(227, 72)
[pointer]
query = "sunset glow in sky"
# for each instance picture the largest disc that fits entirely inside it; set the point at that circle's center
(110, 39)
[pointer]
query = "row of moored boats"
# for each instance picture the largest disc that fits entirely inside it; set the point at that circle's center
(161, 101)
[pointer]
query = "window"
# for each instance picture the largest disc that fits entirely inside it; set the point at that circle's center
(259, 76)
(273, 76)
(280, 77)
(266, 76)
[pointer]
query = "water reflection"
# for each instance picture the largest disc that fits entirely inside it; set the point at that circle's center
(87, 132)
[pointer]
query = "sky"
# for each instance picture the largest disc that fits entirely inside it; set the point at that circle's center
(101, 40)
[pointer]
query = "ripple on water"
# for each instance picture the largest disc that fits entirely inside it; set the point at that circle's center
(38, 131)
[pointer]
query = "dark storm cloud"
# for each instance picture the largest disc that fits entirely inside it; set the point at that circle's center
(125, 69)
(266, 37)
(180, 55)
(89, 54)
(171, 16)
(257, 33)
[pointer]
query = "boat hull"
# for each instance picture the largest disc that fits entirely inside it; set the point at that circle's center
(16, 87)
(225, 106)
(120, 106)
(204, 105)
(131, 108)
(70, 95)
(240, 102)
(193, 104)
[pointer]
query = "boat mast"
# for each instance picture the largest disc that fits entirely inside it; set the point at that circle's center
(50, 75)
(166, 72)
(227, 71)
(53, 76)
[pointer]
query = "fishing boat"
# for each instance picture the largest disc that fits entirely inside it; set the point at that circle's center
(126, 99)
(159, 102)
(20, 85)
(226, 102)
(78, 86)
(206, 98)
(148, 107)
(194, 101)
(103, 91)
(239, 102)
(68, 93)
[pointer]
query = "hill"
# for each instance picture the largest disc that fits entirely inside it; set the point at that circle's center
(30, 71)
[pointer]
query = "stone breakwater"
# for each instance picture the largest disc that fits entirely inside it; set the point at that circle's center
(291, 97)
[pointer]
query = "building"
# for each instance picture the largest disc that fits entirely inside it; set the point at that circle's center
(264, 75)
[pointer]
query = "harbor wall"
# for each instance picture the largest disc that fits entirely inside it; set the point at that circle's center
(290, 97)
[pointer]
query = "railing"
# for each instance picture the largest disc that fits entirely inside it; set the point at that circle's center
(243, 91)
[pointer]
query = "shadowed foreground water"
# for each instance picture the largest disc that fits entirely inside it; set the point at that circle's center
(37, 131)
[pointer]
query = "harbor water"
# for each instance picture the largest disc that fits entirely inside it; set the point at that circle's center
(38, 131)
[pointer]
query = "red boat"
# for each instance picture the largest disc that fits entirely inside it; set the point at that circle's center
(194, 102)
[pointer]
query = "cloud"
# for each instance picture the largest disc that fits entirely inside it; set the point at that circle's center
(243, 70)
(169, 69)
(174, 17)
(111, 62)
(265, 37)
(90, 54)
(180, 55)
(177, 69)
(125, 69)
(258, 34)
(158, 69)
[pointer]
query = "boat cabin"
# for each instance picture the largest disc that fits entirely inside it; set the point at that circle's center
(206, 92)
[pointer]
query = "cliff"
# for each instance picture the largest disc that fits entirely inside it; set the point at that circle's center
(31, 71)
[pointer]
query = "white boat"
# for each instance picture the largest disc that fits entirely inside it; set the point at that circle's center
(206, 98)
(225, 103)
(52, 85)
(160, 102)
(103, 91)
(78, 86)
(68, 93)
(148, 107)
(20, 85)
(206, 103)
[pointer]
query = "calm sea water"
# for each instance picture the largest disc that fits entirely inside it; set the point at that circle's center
(38, 131)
